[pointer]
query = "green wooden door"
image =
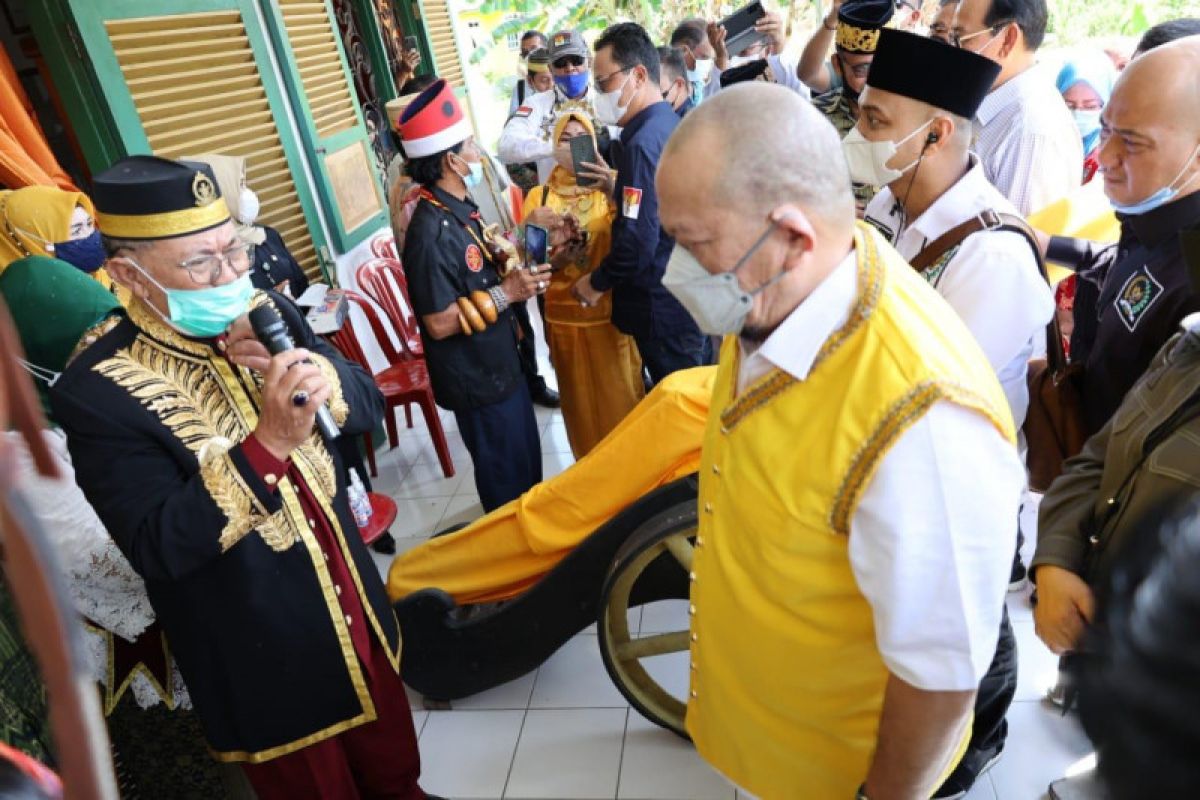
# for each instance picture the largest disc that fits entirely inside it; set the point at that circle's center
(331, 124)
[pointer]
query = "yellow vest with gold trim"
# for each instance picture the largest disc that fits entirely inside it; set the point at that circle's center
(787, 683)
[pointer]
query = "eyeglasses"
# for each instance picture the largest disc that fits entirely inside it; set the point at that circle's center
(568, 61)
(205, 269)
(957, 39)
(601, 83)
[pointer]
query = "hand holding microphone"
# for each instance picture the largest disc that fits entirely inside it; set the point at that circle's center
(294, 390)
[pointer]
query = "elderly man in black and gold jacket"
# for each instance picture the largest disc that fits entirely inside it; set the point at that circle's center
(197, 449)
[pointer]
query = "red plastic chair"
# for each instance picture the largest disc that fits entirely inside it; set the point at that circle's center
(383, 280)
(384, 246)
(404, 382)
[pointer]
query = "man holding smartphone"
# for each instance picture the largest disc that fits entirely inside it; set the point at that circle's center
(628, 95)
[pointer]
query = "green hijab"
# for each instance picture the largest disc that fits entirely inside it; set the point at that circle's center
(52, 305)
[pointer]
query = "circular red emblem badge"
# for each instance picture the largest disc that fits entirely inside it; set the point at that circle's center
(474, 258)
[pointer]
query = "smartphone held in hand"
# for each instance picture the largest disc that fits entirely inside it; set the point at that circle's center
(537, 241)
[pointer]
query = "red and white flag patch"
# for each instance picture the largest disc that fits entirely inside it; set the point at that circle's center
(523, 111)
(632, 202)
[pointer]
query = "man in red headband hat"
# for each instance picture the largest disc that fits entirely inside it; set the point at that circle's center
(464, 307)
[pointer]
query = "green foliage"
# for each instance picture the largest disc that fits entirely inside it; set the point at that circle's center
(1071, 21)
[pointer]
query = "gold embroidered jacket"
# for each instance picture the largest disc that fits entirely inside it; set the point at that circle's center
(154, 422)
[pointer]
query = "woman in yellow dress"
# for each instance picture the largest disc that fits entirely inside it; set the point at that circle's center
(598, 367)
(44, 222)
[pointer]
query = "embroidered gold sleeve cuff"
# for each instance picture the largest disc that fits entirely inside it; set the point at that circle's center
(337, 401)
(228, 476)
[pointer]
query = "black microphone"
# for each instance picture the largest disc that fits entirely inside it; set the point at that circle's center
(273, 333)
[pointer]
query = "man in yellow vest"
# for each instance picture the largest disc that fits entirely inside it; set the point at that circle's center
(859, 474)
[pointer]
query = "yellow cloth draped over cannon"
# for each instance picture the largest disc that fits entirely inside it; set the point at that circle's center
(506, 552)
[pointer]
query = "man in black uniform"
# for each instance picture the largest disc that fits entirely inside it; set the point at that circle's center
(196, 448)
(465, 309)
(1132, 295)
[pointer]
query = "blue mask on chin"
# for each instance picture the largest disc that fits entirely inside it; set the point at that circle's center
(86, 254)
(574, 85)
(1162, 196)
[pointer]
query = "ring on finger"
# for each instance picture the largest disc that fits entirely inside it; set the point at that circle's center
(300, 398)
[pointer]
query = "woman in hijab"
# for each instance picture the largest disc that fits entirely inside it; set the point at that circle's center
(1086, 83)
(58, 311)
(598, 367)
(274, 267)
(44, 222)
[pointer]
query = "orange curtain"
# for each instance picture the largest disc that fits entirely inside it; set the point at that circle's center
(25, 156)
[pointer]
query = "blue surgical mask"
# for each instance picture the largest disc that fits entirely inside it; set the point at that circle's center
(474, 175)
(1163, 195)
(208, 312)
(1087, 120)
(574, 85)
(86, 254)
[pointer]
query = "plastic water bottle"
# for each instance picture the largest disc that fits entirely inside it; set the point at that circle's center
(360, 503)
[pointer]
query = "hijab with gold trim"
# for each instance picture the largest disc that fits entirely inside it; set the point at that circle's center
(34, 215)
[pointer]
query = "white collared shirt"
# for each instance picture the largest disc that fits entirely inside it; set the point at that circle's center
(993, 281)
(526, 135)
(932, 539)
(1028, 141)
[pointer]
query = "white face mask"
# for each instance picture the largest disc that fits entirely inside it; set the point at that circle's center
(718, 302)
(703, 69)
(609, 111)
(248, 206)
(868, 160)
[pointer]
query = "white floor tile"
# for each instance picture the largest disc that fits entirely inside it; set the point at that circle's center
(1038, 667)
(416, 517)
(391, 475)
(670, 671)
(665, 616)
(462, 509)
(554, 463)
(1019, 608)
(467, 754)
(575, 677)
(513, 696)
(567, 754)
(419, 720)
(982, 790)
(554, 438)
(658, 765)
(428, 480)
(1041, 745)
(425, 451)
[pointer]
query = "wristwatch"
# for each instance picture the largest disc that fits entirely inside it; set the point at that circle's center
(861, 794)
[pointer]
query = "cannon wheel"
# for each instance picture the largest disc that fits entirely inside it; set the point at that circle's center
(661, 546)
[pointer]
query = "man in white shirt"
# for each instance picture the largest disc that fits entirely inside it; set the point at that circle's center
(990, 277)
(775, 260)
(526, 135)
(1026, 137)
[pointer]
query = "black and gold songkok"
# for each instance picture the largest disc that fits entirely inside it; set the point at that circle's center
(147, 197)
(859, 24)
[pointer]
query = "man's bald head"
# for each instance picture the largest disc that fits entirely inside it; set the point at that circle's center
(1170, 74)
(757, 146)
(1151, 133)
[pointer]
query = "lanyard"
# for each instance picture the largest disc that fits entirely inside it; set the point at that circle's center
(428, 197)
